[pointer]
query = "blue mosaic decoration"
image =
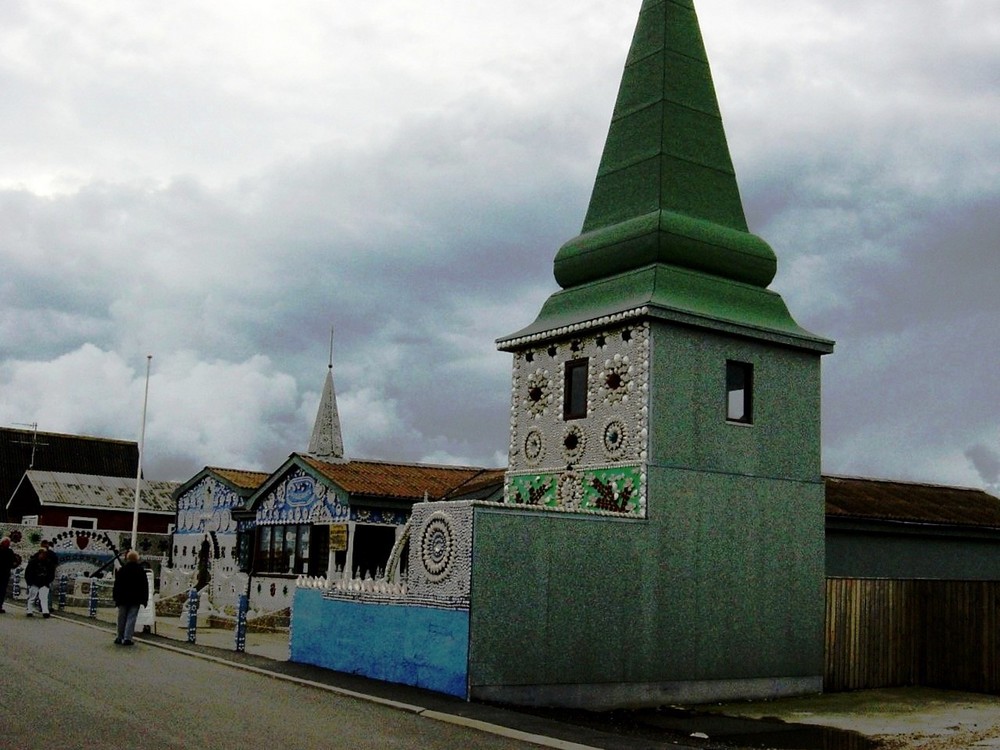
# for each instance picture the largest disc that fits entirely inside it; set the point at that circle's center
(92, 601)
(241, 623)
(300, 491)
(207, 507)
(83, 551)
(300, 498)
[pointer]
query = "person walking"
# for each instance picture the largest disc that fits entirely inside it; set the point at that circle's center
(47, 545)
(8, 561)
(130, 592)
(39, 574)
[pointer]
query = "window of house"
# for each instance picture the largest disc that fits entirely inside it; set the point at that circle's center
(739, 392)
(244, 542)
(575, 390)
(82, 522)
(291, 549)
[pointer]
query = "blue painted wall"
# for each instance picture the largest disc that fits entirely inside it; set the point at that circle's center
(419, 646)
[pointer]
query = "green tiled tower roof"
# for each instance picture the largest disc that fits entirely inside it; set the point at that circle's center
(665, 229)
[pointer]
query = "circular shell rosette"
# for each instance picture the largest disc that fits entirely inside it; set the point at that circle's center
(534, 447)
(437, 547)
(574, 444)
(538, 394)
(616, 380)
(615, 438)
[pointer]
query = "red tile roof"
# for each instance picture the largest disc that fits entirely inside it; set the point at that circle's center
(401, 481)
(876, 499)
(248, 480)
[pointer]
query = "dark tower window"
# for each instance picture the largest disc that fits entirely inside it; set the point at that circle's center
(575, 398)
(739, 392)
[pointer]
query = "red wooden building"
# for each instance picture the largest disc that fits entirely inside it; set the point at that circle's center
(87, 501)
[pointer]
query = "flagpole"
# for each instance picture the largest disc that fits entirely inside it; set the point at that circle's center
(142, 441)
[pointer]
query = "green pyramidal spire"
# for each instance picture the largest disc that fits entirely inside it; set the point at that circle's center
(665, 234)
(666, 191)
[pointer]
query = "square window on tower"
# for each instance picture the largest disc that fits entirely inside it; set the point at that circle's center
(739, 392)
(575, 390)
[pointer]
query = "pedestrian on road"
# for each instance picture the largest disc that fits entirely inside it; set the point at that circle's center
(39, 574)
(47, 545)
(130, 592)
(8, 561)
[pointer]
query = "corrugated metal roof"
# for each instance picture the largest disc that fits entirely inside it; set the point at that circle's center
(56, 452)
(885, 500)
(396, 481)
(247, 480)
(107, 493)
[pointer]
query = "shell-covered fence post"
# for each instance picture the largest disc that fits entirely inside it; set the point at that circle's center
(241, 623)
(92, 601)
(192, 634)
(63, 580)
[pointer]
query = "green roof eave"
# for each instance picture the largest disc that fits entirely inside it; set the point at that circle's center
(668, 237)
(671, 293)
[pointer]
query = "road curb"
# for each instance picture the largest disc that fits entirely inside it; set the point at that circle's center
(506, 732)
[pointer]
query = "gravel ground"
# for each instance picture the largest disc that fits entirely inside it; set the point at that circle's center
(899, 718)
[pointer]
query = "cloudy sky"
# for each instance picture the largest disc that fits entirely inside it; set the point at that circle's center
(218, 184)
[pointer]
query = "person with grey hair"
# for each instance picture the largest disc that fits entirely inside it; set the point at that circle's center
(130, 592)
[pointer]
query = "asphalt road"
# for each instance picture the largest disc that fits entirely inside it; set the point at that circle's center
(63, 685)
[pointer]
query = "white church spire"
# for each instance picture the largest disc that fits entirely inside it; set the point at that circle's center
(326, 443)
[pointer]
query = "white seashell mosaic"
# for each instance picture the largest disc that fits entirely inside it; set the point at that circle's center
(594, 463)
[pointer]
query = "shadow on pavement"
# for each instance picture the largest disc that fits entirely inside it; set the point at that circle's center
(716, 731)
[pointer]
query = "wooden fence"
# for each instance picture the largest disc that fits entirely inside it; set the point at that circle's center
(888, 633)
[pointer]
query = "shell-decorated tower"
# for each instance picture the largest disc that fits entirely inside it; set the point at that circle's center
(665, 385)
(664, 267)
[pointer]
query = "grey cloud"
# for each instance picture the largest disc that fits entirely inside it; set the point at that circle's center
(986, 461)
(422, 224)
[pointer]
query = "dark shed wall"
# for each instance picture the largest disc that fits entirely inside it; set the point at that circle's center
(882, 551)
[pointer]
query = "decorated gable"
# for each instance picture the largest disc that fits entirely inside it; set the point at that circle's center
(207, 507)
(301, 497)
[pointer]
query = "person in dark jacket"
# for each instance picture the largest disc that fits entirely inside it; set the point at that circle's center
(8, 561)
(39, 574)
(131, 591)
(47, 545)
